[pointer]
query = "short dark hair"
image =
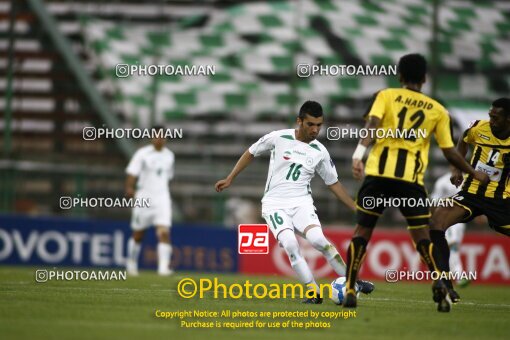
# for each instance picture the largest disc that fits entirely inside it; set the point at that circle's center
(412, 68)
(503, 103)
(311, 108)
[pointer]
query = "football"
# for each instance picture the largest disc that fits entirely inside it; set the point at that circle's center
(338, 290)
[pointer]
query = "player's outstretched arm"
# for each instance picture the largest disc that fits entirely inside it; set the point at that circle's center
(357, 157)
(339, 190)
(129, 187)
(456, 159)
(456, 177)
(241, 164)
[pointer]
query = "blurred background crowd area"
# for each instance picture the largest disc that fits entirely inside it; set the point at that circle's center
(57, 76)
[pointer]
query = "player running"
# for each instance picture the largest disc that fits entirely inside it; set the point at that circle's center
(287, 205)
(490, 140)
(150, 169)
(444, 188)
(395, 168)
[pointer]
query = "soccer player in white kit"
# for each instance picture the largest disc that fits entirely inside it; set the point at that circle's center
(151, 168)
(287, 205)
(454, 235)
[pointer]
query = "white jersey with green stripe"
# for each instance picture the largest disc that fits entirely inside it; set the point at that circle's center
(292, 166)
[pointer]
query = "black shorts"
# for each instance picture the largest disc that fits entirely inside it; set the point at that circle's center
(368, 211)
(496, 210)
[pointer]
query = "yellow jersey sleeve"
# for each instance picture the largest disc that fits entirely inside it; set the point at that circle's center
(469, 134)
(379, 106)
(443, 132)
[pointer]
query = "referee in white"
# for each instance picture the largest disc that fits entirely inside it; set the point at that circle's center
(150, 169)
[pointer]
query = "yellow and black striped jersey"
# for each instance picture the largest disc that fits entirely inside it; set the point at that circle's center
(491, 155)
(413, 112)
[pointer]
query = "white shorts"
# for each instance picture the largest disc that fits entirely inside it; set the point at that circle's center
(455, 233)
(295, 219)
(157, 215)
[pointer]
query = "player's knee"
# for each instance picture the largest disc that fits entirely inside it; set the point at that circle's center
(316, 237)
(292, 250)
(163, 234)
(438, 220)
(419, 234)
(290, 245)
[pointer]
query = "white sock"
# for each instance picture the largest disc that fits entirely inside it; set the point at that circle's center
(455, 262)
(133, 250)
(304, 273)
(321, 243)
(164, 254)
(298, 263)
(335, 261)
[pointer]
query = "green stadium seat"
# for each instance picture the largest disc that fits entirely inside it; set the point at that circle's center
(255, 45)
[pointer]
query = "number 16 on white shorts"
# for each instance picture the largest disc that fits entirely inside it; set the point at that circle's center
(297, 218)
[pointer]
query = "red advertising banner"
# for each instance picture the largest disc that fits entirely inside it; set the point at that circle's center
(486, 254)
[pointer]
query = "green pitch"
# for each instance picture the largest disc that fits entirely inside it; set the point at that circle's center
(126, 310)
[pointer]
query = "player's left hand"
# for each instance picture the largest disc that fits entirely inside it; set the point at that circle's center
(482, 177)
(130, 192)
(222, 184)
(456, 178)
(357, 169)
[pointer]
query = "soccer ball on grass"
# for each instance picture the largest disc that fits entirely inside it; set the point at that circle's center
(338, 290)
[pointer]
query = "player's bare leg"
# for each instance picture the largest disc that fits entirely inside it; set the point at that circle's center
(355, 256)
(315, 236)
(164, 250)
(134, 247)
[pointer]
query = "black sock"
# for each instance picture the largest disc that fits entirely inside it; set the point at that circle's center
(355, 255)
(431, 255)
(438, 238)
